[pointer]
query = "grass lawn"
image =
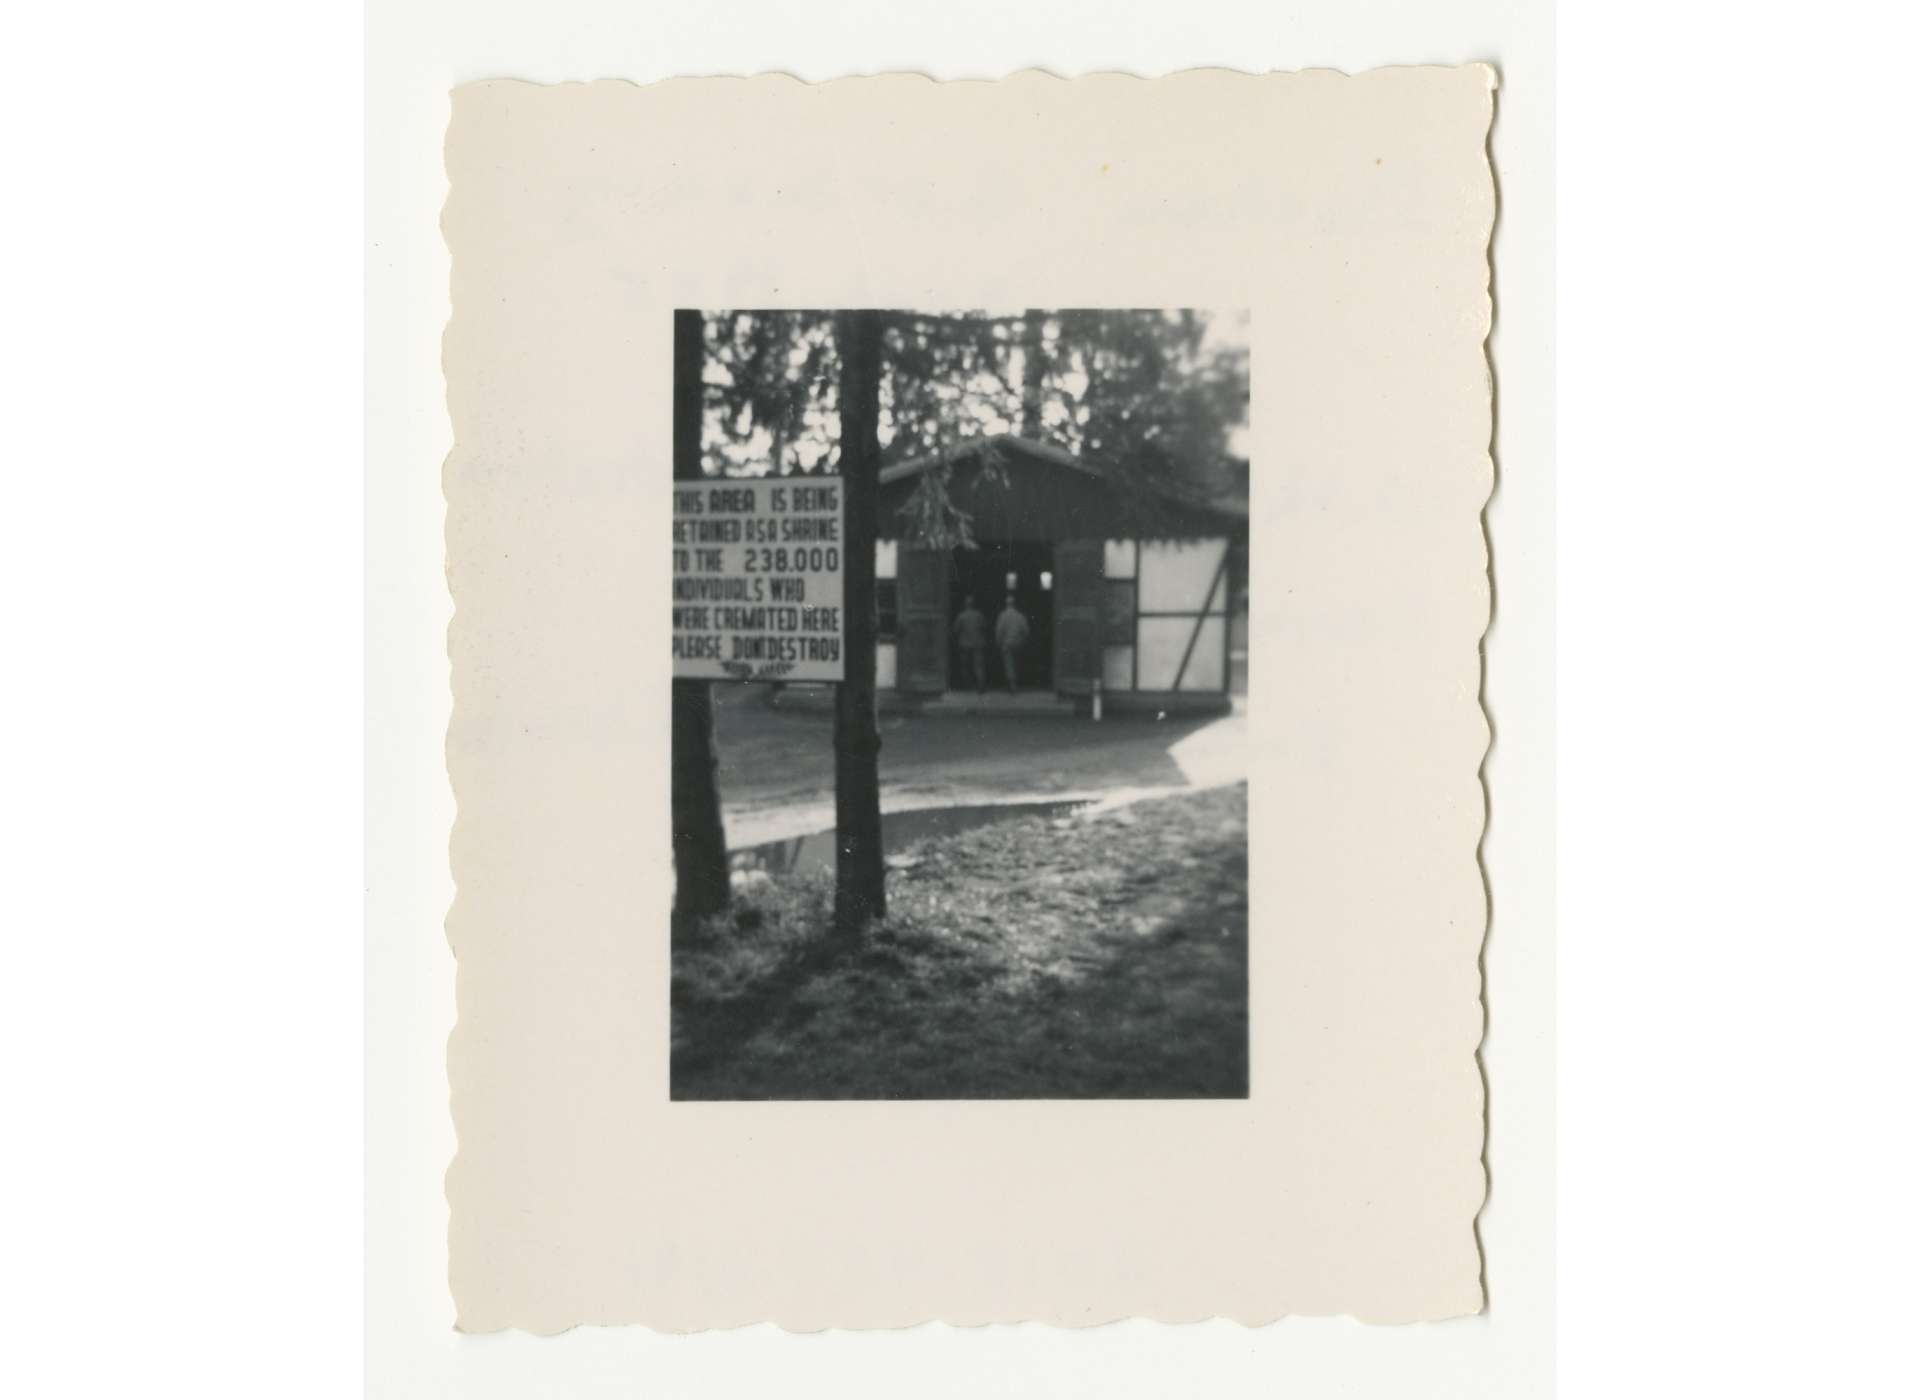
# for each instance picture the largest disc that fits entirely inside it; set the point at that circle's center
(1088, 956)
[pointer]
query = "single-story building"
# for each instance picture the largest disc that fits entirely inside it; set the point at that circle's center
(1144, 594)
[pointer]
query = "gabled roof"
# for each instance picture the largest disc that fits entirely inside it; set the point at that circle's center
(1044, 452)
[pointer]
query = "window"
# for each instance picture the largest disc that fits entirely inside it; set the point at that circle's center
(886, 597)
(1117, 613)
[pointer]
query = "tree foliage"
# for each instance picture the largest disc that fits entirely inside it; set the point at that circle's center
(1159, 405)
(1149, 395)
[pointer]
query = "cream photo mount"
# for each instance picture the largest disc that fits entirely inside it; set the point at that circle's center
(1351, 215)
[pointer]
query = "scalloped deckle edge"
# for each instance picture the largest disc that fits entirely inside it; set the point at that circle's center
(550, 1201)
(1480, 698)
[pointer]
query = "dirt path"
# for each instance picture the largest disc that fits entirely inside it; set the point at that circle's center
(776, 767)
(1099, 955)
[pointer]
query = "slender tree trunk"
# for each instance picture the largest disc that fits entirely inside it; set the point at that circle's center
(860, 890)
(1033, 374)
(699, 840)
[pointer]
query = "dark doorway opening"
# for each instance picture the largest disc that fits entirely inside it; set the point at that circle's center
(990, 572)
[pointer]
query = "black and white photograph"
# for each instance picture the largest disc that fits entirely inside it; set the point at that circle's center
(961, 659)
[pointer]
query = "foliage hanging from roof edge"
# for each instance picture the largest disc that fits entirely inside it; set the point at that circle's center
(930, 519)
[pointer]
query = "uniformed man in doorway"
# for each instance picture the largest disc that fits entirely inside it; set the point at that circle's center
(1010, 634)
(970, 630)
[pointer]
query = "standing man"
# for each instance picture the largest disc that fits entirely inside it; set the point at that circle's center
(970, 630)
(1010, 634)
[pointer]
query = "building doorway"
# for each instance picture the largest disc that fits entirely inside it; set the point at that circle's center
(990, 572)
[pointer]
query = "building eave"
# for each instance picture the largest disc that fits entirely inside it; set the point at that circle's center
(1229, 507)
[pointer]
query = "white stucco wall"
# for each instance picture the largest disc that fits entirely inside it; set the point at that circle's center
(885, 558)
(883, 666)
(1163, 641)
(1175, 576)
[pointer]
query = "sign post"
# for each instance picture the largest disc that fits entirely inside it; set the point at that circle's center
(758, 579)
(701, 882)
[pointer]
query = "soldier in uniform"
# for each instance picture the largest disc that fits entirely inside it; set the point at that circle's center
(970, 630)
(1010, 634)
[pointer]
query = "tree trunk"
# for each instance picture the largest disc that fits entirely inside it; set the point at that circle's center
(699, 840)
(860, 890)
(1033, 374)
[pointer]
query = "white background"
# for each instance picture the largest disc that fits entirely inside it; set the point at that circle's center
(181, 556)
(417, 54)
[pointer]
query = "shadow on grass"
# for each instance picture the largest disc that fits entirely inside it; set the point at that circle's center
(723, 1025)
(1065, 958)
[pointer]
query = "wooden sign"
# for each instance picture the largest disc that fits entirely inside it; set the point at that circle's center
(757, 579)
